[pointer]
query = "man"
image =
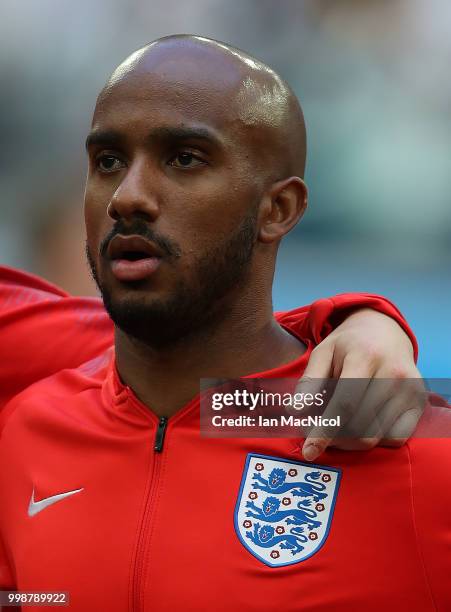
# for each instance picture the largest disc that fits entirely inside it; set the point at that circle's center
(196, 163)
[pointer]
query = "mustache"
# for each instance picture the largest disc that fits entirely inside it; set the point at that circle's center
(140, 228)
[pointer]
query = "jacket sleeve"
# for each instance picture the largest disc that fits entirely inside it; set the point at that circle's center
(44, 330)
(320, 318)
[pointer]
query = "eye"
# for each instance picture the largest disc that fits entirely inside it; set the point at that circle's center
(185, 159)
(109, 163)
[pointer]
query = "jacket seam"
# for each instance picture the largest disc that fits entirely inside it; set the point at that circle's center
(415, 529)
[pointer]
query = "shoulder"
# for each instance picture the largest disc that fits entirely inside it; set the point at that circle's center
(55, 397)
(44, 330)
(18, 283)
(21, 290)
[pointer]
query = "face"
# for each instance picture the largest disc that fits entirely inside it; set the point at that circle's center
(167, 163)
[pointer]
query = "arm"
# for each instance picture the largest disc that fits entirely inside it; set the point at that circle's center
(44, 330)
(322, 317)
(366, 346)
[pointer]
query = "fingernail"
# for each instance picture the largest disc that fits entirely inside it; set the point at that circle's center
(310, 452)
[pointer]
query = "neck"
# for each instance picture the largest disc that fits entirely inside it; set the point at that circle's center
(165, 379)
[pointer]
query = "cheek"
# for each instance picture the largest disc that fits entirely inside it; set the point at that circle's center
(215, 213)
(96, 220)
(200, 232)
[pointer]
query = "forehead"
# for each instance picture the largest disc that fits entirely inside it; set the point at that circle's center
(147, 99)
(238, 100)
(201, 87)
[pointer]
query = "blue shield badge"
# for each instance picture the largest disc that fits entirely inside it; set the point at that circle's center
(285, 508)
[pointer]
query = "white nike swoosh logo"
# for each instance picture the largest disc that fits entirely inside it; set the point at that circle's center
(36, 507)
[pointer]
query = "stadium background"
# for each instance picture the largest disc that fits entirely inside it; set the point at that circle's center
(373, 78)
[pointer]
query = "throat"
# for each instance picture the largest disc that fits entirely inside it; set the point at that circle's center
(165, 381)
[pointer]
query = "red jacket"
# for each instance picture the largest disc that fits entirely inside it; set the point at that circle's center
(142, 529)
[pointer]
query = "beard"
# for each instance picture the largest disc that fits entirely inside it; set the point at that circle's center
(196, 304)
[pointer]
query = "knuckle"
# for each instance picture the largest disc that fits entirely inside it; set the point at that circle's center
(373, 354)
(346, 406)
(400, 372)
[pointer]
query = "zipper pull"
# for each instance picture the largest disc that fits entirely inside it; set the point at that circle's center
(159, 436)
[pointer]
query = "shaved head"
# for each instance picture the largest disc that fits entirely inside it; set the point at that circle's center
(253, 96)
(198, 148)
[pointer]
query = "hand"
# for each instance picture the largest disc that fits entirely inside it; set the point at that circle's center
(368, 345)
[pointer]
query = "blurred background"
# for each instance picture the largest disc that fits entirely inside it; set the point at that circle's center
(373, 79)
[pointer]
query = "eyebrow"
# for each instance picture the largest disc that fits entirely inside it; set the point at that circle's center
(113, 138)
(109, 138)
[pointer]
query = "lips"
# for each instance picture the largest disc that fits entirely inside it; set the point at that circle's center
(133, 258)
(131, 247)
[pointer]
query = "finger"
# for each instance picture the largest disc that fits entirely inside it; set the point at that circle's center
(403, 428)
(373, 418)
(341, 408)
(364, 433)
(319, 368)
(403, 395)
(401, 399)
(344, 403)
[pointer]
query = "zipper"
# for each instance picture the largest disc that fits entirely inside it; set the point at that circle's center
(159, 436)
(143, 538)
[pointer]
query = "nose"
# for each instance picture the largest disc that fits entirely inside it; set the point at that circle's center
(136, 193)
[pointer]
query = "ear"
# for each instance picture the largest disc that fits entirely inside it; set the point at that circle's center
(282, 208)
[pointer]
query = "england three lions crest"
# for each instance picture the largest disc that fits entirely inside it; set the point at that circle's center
(285, 508)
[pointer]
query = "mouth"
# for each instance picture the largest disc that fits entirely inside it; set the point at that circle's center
(132, 258)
